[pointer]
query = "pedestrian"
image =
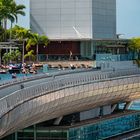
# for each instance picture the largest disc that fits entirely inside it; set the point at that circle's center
(22, 86)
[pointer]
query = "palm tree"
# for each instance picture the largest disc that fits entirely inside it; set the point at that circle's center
(17, 10)
(134, 45)
(22, 35)
(30, 55)
(6, 58)
(15, 55)
(35, 40)
(2, 31)
(9, 10)
(5, 12)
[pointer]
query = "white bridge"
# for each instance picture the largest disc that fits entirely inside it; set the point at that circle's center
(32, 100)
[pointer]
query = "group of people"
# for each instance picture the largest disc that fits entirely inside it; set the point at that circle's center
(29, 69)
(26, 69)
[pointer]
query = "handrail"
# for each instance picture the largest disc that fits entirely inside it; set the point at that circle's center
(18, 97)
(40, 76)
(65, 72)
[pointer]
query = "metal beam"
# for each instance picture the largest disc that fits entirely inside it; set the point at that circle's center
(58, 120)
(6, 47)
(127, 105)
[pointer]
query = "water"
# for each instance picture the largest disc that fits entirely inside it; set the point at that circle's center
(8, 77)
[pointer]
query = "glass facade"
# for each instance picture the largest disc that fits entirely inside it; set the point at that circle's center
(38, 134)
(106, 129)
(98, 131)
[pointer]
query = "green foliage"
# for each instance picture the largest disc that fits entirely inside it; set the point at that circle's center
(6, 58)
(9, 10)
(6, 10)
(19, 33)
(13, 56)
(36, 39)
(30, 55)
(134, 44)
(2, 31)
(28, 38)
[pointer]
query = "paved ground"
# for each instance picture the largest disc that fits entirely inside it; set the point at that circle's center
(68, 63)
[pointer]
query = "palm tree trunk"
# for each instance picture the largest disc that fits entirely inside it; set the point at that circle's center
(5, 24)
(37, 52)
(5, 28)
(0, 56)
(23, 52)
(139, 55)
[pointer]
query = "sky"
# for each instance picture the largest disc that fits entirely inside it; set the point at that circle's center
(128, 17)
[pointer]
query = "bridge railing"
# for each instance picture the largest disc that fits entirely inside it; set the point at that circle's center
(40, 76)
(11, 101)
(120, 72)
(124, 72)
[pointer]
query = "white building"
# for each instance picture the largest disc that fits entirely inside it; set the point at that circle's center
(75, 20)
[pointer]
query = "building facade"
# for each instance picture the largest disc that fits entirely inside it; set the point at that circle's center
(95, 130)
(74, 19)
(78, 22)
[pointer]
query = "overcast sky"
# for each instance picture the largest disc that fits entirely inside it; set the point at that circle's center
(128, 17)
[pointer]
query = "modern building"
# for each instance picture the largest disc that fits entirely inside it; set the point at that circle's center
(94, 129)
(74, 25)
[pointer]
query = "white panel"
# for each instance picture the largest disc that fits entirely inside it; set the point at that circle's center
(76, 19)
(62, 18)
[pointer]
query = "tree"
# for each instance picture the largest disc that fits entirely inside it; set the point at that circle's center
(6, 58)
(17, 10)
(21, 34)
(2, 32)
(134, 45)
(30, 55)
(35, 40)
(9, 10)
(13, 55)
(6, 12)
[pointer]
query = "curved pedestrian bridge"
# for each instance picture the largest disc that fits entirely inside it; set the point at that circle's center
(57, 95)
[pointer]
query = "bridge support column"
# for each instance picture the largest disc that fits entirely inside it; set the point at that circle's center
(16, 136)
(35, 132)
(58, 120)
(127, 105)
(113, 107)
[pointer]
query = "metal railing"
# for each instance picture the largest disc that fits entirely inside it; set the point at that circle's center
(39, 76)
(121, 72)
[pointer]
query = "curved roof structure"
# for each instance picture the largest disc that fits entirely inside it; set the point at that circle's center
(62, 96)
